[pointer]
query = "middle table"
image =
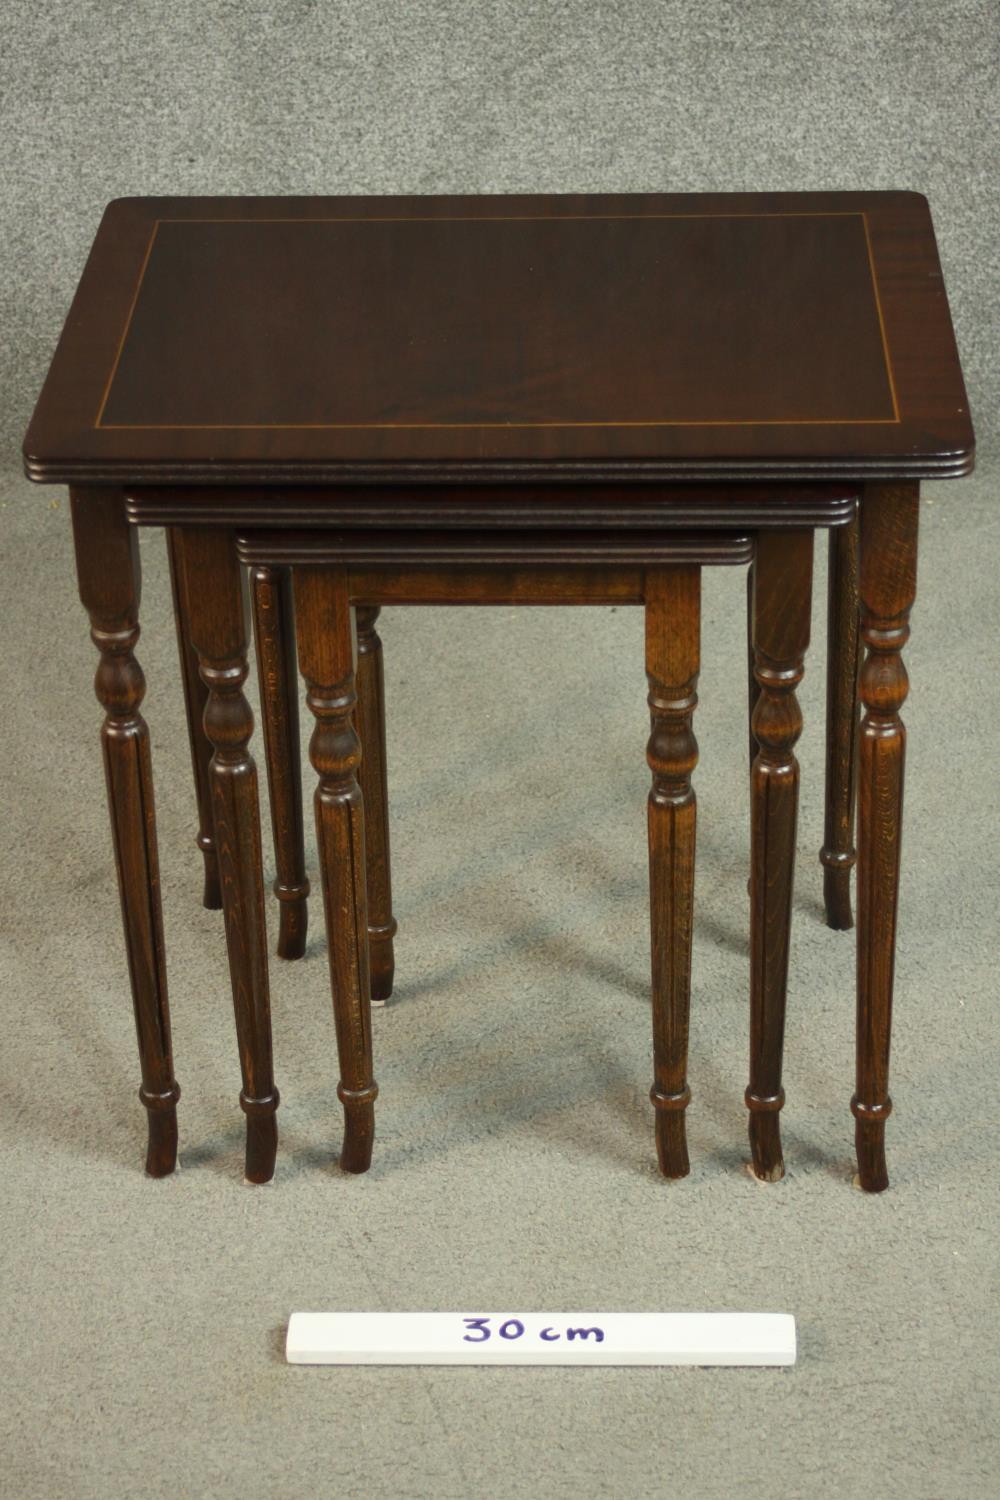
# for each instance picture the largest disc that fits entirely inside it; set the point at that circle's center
(502, 546)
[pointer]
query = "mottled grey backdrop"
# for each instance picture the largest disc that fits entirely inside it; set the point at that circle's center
(143, 1321)
(102, 98)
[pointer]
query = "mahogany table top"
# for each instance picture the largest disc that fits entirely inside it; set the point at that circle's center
(476, 339)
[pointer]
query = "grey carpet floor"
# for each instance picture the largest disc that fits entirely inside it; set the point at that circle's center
(143, 1322)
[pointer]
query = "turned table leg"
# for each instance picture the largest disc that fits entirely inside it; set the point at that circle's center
(327, 662)
(277, 673)
(212, 586)
(837, 854)
(673, 624)
(370, 715)
(888, 575)
(107, 560)
(781, 607)
(195, 698)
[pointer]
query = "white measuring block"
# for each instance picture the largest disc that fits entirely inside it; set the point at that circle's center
(583, 1338)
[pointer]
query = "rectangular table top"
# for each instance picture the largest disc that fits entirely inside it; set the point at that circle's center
(595, 338)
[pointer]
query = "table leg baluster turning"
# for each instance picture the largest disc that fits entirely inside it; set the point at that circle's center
(888, 578)
(838, 854)
(673, 632)
(195, 698)
(782, 596)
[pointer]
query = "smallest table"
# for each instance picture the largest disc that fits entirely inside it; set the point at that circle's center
(505, 367)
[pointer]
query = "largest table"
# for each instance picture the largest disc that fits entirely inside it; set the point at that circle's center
(507, 366)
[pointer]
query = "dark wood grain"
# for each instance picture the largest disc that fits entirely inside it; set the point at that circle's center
(782, 595)
(195, 698)
(107, 563)
(617, 316)
(618, 336)
(327, 661)
(210, 579)
(278, 681)
(842, 664)
(673, 633)
(888, 576)
(373, 779)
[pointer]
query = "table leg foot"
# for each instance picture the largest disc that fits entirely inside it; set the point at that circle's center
(837, 895)
(262, 1137)
(869, 1146)
(211, 898)
(765, 1138)
(359, 1127)
(382, 963)
(293, 922)
(161, 1149)
(671, 1136)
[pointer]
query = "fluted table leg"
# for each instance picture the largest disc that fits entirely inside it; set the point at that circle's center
(274, 637)
(211, 581)
(373, 779)
(673, 632)
(327, 661)
(838, 854)
(107, 560)
(782, 594)
(195, 698)
(888, 577)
